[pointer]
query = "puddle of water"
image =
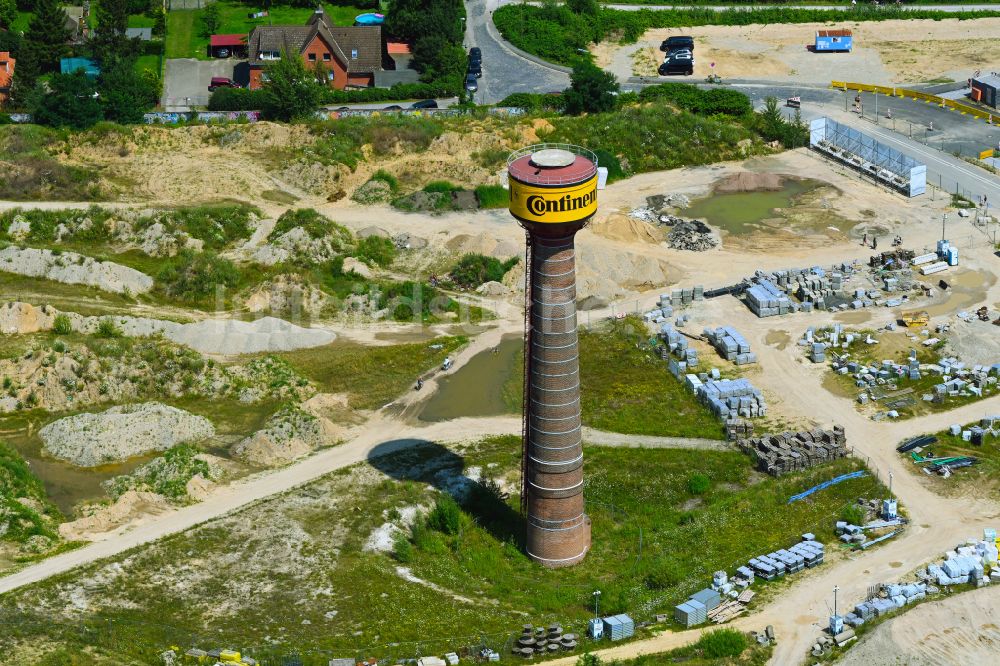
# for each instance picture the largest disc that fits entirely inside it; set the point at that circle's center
(66, 485)
(476, 388)
(966, 289)
(741, 213)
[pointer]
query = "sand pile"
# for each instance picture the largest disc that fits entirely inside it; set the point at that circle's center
(72, 268)
(625, 228)
(127, 508)
(122, 432)
(749, 181)
(231, 336)
(484, 244)
(289, 434)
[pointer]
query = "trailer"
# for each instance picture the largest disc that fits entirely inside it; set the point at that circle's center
(833, 41)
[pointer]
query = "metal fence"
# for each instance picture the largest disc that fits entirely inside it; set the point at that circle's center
(187, 4)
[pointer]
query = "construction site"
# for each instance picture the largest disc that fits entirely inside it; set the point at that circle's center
(755, 396)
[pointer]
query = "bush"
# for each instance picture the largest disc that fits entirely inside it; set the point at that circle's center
(387, 178)
(703, 102)
(62, 325)
(533, 102)
(664, 574)
(722, 643)
(402, 549)
(591, 90)
(235, 99)
(473, 270)
(190, 275)
(698, 484)
(853, 514)
(106, 328)
(376, 250)
(442, 186)
(492, 196)
(611, 163)
(446, 517)
(314, 224)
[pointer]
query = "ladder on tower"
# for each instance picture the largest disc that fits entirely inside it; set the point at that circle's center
(526, 397)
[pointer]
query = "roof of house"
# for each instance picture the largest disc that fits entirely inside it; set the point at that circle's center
(989, 80)
(398, 48)
(228, 40)
(342, 40)
(6, 69)
(843, 32)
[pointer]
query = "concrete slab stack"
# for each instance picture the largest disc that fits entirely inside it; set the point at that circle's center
(730, 344)
(732, 397)
(792, 451)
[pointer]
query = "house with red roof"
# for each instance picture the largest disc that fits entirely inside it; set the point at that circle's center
(350, 55)
(6, 75)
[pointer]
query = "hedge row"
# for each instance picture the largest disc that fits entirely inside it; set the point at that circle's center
(241, 99)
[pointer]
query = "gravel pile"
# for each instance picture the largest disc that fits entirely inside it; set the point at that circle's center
(72, 268)
(122, 432)
(231, 336)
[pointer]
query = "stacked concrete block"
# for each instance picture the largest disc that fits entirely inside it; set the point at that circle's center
(765, 299)
(736, 397)
(731, 345)
(679, 347)
(818, 353)
(785, 561)
(792, 451)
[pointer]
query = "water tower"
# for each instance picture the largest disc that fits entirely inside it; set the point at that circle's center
(553, 194)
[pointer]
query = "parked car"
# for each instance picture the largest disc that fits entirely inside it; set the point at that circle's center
(221, 82)
(471, 84)
(393, 107)
(476, 69)
(222, 53)
(475, 52)
(425, 104)
(677, 42)
(682, 65)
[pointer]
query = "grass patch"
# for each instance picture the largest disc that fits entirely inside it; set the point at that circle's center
(625, 388)
(38, 174)
(371, 376)
(35, 515)
(317, 534)
(492, 196)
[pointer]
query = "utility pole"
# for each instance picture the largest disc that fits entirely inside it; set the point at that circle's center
(944, 218)
(836, 588)
(890, 485)
(597, 600)
(876, 107)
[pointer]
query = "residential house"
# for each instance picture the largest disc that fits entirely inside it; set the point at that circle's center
(78, 23)
(6, 75)
(351, 55)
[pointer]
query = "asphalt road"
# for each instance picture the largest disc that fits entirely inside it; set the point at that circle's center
(504, 72)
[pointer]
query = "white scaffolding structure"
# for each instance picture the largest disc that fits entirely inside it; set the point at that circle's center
(863, 153)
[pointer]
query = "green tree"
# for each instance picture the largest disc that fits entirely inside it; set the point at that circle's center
(109, 45)
(70, 101)
(290, 91)
(591, 90)
(583, 6)
(853, 514)
(446, 517)
(588, 659)
(210, 19)
(8, 13)
(46, 36)
(126, 94)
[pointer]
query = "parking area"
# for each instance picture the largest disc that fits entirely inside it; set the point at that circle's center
(185, 81)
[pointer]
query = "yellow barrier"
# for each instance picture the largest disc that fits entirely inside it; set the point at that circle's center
(914, 94)
(986, 153)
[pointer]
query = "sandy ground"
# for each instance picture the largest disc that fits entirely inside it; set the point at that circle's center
(884, 53)
(794, 388)
(955, 631)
